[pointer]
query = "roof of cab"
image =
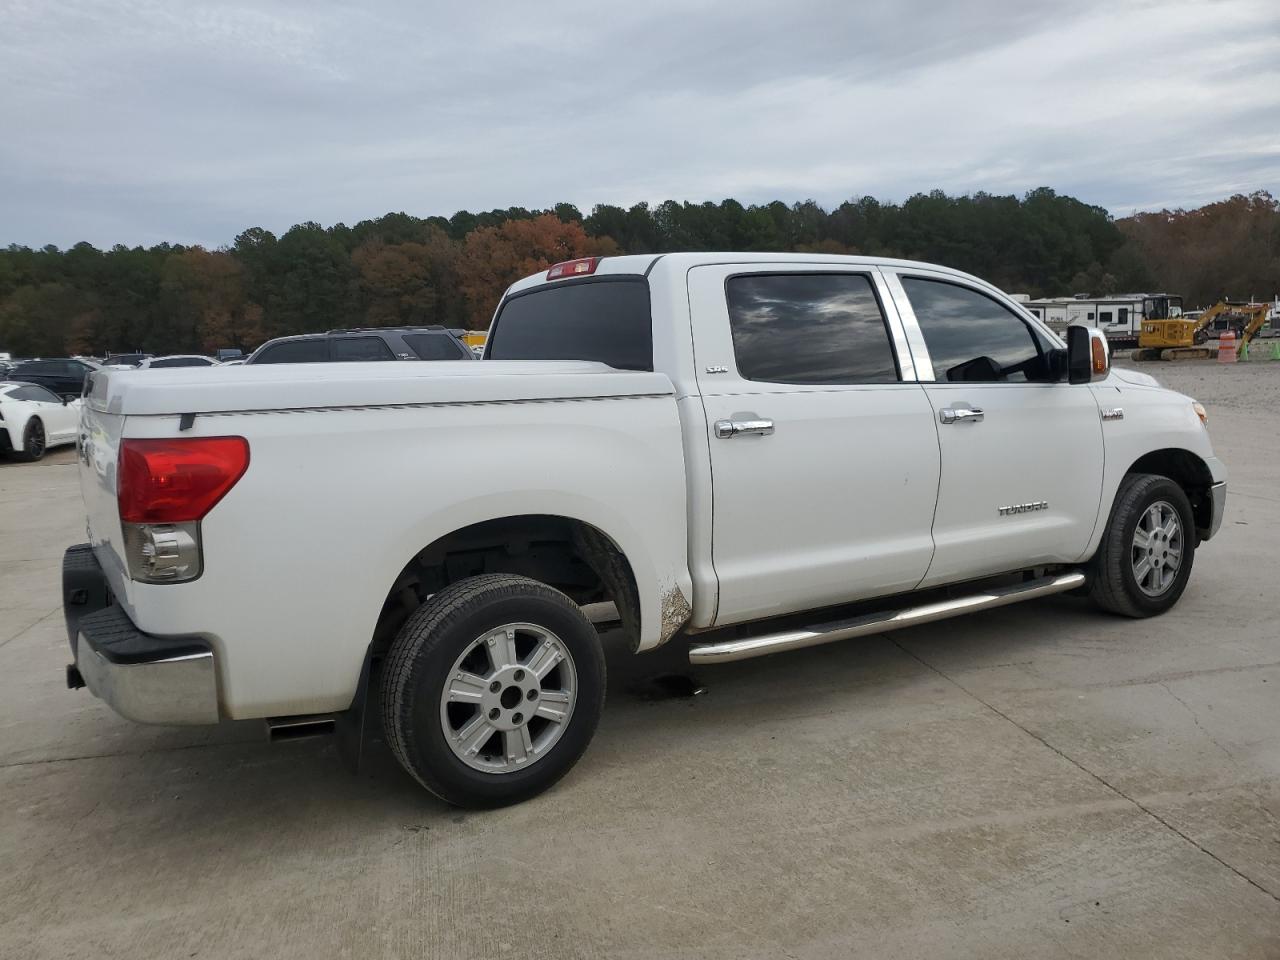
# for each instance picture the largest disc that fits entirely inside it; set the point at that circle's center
(645, 263)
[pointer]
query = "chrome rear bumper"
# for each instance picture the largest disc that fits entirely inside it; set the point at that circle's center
(145, 678)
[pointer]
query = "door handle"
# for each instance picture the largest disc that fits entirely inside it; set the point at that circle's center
(728, 429)
(960, 414)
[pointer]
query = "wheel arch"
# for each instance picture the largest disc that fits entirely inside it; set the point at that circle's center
(1189, 471)
(574, 555)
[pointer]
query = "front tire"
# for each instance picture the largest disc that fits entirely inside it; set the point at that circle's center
(1147, 550)
(492, 690)
(34, 441)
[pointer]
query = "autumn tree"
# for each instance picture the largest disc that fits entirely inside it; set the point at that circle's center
(205, 296)
(495, 257)
(407, 283)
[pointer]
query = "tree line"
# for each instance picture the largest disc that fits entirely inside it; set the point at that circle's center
(402, 269)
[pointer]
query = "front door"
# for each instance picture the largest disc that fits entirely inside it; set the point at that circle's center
(1021, 452)
(824, 457)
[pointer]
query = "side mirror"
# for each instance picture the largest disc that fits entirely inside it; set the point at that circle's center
(1088, 357)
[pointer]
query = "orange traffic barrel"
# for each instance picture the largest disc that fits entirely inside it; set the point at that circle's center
(1227, 347)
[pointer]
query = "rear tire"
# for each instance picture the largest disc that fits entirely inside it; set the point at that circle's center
(492, 690)
(34, 442)
(1147, 550)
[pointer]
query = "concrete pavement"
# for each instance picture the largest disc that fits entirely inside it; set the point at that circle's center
(1037, 781)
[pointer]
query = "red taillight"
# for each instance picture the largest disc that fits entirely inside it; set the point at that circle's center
(573, 268)
(177, 481)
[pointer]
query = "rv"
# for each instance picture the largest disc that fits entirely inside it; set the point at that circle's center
(1119, 316)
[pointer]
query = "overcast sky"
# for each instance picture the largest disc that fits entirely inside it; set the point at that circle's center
(138, 121)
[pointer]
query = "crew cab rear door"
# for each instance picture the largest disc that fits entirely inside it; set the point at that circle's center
(824, 457)
(1021, 450)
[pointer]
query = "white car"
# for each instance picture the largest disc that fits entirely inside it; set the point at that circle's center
(743, 453)
(175, 360)
(32, 419)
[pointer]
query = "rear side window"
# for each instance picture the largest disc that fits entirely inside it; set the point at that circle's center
(360, 348)
(434, 346)
(181, 362)
(295, 351)
(972, 338)
(809, 328)
(604, 320)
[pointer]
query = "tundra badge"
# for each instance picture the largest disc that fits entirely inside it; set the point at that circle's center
(1024, 507)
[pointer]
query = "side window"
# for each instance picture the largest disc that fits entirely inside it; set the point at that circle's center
(809, 328)
(972, 337)
(33, 392)
(296, 351)
(434, 346)
(361, 348)
(1124, 316)
(1104, 316)
(180, 362)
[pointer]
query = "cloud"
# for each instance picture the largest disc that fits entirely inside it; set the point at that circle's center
(137, 121)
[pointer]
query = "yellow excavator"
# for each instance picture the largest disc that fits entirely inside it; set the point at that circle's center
(1181, 338)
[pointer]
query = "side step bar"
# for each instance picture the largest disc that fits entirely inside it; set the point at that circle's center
(744, 648)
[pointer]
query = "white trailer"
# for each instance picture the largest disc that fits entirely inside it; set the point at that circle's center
(1119, 316)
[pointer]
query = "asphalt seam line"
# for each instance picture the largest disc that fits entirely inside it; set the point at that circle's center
(127, 753)
(1079, 766)
(29, 627)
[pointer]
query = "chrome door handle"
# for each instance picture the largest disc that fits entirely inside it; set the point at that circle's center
(727, 429)
(961, 414)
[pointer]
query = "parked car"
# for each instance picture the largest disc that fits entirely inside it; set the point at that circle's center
(65, 376)
(33, 419)
(176, 360)
(124, 359)
(374, 343)
(227, 354)
(752, 453)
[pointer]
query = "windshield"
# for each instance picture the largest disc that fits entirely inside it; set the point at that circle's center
(603, 319)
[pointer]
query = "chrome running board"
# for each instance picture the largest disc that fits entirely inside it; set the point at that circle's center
(744, 648)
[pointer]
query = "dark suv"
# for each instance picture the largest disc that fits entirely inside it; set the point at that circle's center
(65, 376)
(372, 343)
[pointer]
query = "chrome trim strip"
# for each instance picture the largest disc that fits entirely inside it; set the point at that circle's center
(748, 647)
(897, 327)
(179, 690)
(910, 326)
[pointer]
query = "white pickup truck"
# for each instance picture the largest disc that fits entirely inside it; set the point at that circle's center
(747, 453)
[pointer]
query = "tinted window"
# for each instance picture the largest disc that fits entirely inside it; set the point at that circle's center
(34, 392)
(295, 351)
(37, 368)
(435, 346)
(360, 348)
(181, 362)
(971, 337)
(809, 328)
(605, 320)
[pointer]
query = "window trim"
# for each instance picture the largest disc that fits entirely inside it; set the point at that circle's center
(1043, 338)
(869, 276)
(575, 282)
